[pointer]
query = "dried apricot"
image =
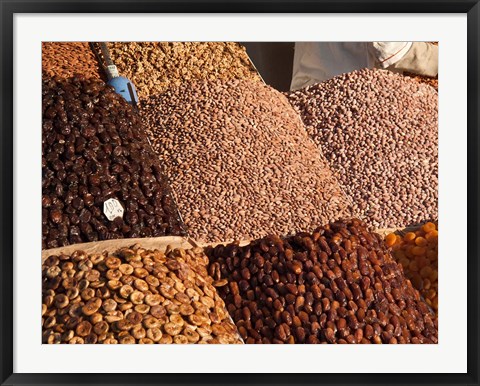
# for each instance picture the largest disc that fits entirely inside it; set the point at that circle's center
(413, 266)
(432, 255)
(391, 239)
(426, 271)
(429, 226)
(426, 284)
(419, 251)
(432, 236)
(410, 236)
(421, 241)
(421, 261)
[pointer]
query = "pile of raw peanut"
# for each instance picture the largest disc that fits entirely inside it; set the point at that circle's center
(94, 148)
(156, 66)
(417, 252)
(240, 162)
(338, 284)
(379, 132)
(132, 296)
(65, 59)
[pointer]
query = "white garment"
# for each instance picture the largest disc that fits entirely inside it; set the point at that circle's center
(315, 62)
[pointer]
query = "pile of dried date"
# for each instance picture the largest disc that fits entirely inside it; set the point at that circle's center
(338, 284)
(94, 148)
(132, 296)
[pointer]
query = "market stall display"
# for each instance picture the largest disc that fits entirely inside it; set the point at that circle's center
(100, 177)
(156, 66)
(65, 59)
(417, 251)
(193, 215)
(240, 162)
(379, 132)
(338, 284)
(132, 295)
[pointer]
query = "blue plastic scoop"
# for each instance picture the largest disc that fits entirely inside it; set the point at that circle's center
(122, 85)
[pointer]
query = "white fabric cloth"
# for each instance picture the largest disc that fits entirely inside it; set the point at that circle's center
(315, 62)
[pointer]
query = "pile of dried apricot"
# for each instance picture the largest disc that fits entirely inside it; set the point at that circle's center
(417, 252)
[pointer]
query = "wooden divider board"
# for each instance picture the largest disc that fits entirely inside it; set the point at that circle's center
(159, 243)
(401, 231)
(204, 245)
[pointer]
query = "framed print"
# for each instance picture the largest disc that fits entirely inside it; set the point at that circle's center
(239, 193)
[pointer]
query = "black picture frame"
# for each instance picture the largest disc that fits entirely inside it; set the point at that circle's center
(9, 8)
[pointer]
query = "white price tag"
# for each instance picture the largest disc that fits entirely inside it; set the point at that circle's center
(113, 71)
(112, 209)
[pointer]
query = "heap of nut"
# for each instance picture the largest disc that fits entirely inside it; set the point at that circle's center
(94, 148)
(133, 296)
(379, 132)
(66, 59)
(240, 162)
(156, 66)
(338, 284)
